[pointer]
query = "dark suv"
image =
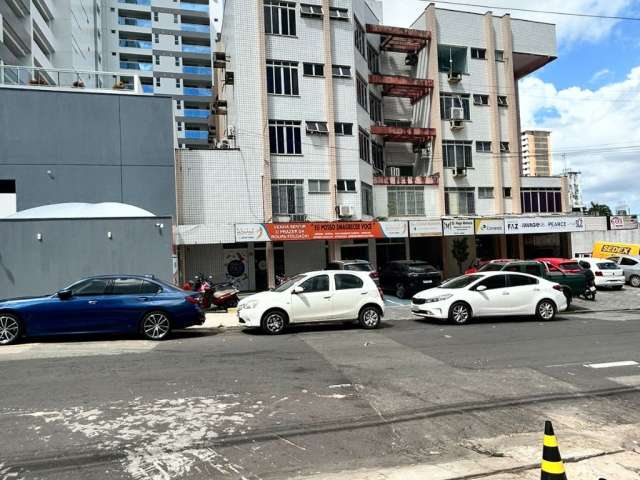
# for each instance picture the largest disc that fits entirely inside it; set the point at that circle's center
(353, 265)
(406, 277)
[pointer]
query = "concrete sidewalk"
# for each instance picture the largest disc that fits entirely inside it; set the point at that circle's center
(225, 320)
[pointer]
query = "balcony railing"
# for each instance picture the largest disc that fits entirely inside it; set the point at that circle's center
(197, 134)
(197, 7)
(197, 70)
(200, 92)
(196, 49)
(136, 22)
(147, 67)
(136, 44)
(404, 180)
(194, 27)
(136, 2)
(195, 113)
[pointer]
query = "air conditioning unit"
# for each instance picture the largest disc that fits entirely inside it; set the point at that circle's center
(459, 172)
(454, 77)
(456, 124)
(393, 171)
(345, 211)
(457, 113)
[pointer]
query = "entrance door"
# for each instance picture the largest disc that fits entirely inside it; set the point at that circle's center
(260, 268)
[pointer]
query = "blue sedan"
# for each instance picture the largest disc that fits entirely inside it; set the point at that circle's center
(105, 304)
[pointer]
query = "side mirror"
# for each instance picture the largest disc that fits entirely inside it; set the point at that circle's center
(481, 288)
(65, 294)
(298, 290)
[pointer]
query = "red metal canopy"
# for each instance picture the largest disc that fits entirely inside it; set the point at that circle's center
(404, 134)
(401, 86)
(403, 40)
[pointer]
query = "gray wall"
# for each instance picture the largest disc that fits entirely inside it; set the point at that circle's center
(582, 242)
(74, 248)
(99, 147)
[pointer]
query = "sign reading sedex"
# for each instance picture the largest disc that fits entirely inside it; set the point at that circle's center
(278, 232)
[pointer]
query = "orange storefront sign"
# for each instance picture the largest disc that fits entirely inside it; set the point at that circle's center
(279, 232)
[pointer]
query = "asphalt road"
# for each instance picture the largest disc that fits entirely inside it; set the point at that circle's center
(319, 399)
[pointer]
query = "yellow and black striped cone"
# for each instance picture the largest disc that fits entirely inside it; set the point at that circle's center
(552, 466)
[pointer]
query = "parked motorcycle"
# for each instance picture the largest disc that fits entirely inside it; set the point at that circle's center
(590, 287)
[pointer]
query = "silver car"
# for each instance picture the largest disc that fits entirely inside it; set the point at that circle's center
(631, 267)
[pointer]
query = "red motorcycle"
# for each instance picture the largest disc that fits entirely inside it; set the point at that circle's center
(220, 295)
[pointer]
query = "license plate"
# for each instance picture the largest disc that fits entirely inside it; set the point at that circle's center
(427, 281)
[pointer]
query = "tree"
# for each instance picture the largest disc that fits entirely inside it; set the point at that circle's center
(599, 209)
(460, 251)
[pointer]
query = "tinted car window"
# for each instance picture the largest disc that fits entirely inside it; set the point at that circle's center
(491, 267)
(316, 284)
(460, 282)
(149, 287)
(628, 261)
(521, 280)
(570, 265)
(358, 267)
(92, 286)
(585, 265)
(532, 269)
(495, 281)
(512, 268)
(346, 282)
(126, 286)
(607, 266)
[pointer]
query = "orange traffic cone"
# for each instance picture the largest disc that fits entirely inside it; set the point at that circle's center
(552, 466)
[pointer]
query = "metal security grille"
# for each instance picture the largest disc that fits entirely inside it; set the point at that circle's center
(405, 201)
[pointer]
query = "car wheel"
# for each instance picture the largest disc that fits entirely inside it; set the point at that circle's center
(635, 281)
(546, 310)
(459, 313)
(401, 291)
(156, 326)
(274, 322)
(369, 317)
(10, 329)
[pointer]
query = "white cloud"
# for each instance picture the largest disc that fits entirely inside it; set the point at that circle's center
(569, 29)
(596, 129)
(600, 74)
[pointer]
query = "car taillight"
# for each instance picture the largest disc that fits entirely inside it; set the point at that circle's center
(599, 274)
(558, 287)
(374, 275)
(381, 293)
(193, 299)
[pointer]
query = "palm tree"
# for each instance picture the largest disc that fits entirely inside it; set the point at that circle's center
(599, 209)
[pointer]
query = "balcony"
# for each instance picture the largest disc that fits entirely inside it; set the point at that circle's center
(196, 134)
(195, 113)
(197, 70)
(401, 40)
(147, 67)
(136, 44)
(136, 2)
(196, 7)
(404, 87)
(204, 49)
(134, 22)
(416, 136)
(194, 27)
(403, 180)
(197, 92)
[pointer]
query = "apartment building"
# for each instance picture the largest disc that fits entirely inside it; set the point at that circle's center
(574, 187)
(167, 43)
(342, 137)
(536, 153)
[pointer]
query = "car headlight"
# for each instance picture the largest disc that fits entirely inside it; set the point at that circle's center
(249, 304)
(438, 299)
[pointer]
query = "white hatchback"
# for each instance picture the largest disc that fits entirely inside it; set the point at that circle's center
(315, 297)
(607, 273)
(491, 294)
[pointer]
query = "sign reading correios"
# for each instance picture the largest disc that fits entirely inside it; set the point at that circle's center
(519, 225)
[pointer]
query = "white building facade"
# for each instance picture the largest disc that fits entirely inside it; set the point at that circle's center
(536, 153)
(344, 138)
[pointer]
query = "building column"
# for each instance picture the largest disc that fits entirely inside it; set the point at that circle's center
(271, 266)
(329, 109)
(335, 250)
(373, 253)
(502, 246)
(407, 248)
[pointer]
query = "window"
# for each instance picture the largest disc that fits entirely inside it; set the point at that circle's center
(177, 61)
(313, 69)
(318, 186)
(175, 18)
(479, 53)
(405, 201)
(502, 100)
(156, 38)
(361, 87)
(155, 16)
(282, 77)
(504, 147)
(499, 56)
(506, 192)
(481, 99)
(628, 262)
(344, 128)
(178, 84)
(319, 283)
(345, 281)
(494, 282)
(317, 128)
(346, 185)
(373, 59)
(338, 13)
(521, 280)
(287, 197)
(279, 18)
(483, 147)
(360, 39)
(449, 101)
(126, 286)
(457, 154)
(157, 81)
(366, 194)
(7, 186)
(176, 40)
(157, 59)
(452, 59)
(375, 108)
(377, 156)
(92, 286)
(307, 10)
(390, 122)
(459, 201)
(341, 71)
(485, 192)
(285, 137)
(541, 200)
(363, 144)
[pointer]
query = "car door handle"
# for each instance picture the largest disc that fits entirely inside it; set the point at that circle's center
(505, 293)
(363, 293)
(327, 296)
(143, 299)
(92, 302)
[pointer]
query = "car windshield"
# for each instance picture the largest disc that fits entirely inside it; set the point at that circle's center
(607, 266)
(420, 268)
(461, 282)
(570, 266)
(491, 267)
(358, 267)
(289, 283)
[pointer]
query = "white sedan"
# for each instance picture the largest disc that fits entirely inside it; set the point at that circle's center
(607, 273)
(491, 294)
(315, 297)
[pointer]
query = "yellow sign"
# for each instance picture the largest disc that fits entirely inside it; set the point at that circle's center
(609, 249)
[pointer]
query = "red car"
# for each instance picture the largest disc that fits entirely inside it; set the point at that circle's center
(485, 265)
(565, 265)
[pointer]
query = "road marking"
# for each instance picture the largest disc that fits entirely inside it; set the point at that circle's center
(626, 363)
(629, 381)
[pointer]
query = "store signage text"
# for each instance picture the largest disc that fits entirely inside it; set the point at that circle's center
(278, 232)
(457, 226)
(544, 225)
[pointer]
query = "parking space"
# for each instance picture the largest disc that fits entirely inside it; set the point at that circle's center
(627, 298)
